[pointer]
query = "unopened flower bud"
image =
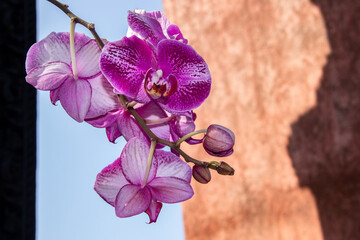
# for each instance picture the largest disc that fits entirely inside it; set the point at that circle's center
(219, 141)
(225, 169)
(201, 174)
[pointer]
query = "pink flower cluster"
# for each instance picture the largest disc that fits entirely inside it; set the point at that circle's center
(165, 78)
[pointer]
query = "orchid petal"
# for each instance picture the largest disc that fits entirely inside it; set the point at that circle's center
(105, 120)
(170, 165)
(55, 47)
(124, 63)
(134, 158)
(103, 99)
(191, 71)
(75, 98)
(154, 210)
(109, 182)
(87, 60)
(174, 33)
(113, 133)
(146, 26)
(110, 122)
(153, 111)
(160, 17)
(170, 189)
(54, 96)
(49, 76)
(129, 127)
(180, 126)
(132, 200)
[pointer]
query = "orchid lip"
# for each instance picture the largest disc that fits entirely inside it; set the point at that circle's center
(159, 87)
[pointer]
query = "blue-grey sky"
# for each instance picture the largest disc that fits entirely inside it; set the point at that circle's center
(71, 154)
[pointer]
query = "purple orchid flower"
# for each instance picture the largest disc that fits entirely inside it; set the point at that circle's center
(131, 188)
(174, 76)
(153, 26)
(120, 123)
(48, 67)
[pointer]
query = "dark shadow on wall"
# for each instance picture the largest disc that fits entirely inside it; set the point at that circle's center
(325, 143)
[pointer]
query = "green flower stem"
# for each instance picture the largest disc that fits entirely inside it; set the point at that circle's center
(195, 161)
(64, 7)
(149, 162)
(178, 142)
(214, 163)
(132, 104)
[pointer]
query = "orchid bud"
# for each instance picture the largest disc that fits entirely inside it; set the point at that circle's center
(201, 174)
(225, 169)
(219, 141)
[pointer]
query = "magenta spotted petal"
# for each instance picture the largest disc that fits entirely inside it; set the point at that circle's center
(146, 26)
(127, 185)
(176, 77)
(124, 63)
(152, 26)
(191, 71)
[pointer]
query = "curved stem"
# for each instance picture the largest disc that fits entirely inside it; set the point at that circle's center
(149, 162)
(72, 48)
(123, 101)
(130, 106)
(178, 142)
(142, 123)
(64, 7)
(152, 136)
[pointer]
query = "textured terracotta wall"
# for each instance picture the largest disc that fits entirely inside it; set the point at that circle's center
(286, 79)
